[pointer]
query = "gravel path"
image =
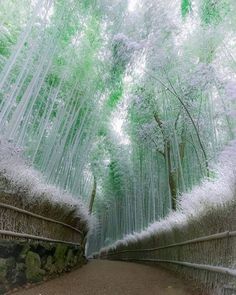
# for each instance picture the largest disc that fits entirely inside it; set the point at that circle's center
(101, 277)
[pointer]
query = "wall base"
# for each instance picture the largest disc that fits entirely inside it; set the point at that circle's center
(23, 262)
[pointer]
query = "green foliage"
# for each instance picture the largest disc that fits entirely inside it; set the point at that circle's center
(4, 47)
(213, 12)
(13, 17)
(53, 80)
(114, 180)
(186, 6)
(115, 97)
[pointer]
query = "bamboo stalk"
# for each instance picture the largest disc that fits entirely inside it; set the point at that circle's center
(172, 91)
(93, 195)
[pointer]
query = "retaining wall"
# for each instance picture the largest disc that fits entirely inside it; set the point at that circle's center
(23, 262)
(42, 229)
(35, 247)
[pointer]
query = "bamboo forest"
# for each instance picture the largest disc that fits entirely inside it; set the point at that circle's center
(117, 120)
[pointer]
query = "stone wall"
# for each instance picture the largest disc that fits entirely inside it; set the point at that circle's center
(23, 262)
(43, 229)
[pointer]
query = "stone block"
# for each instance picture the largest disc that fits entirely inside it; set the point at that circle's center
(10, 248)
(3, 270)
(34, 273)
(60, 257)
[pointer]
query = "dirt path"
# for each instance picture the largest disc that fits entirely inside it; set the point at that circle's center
(101, 277)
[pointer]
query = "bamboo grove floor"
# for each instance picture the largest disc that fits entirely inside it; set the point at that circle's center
(101, 277)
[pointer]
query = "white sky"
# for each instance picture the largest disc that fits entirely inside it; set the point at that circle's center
(117, 126)
(132, 5)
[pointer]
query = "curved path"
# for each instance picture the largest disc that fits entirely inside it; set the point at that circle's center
(102, 277)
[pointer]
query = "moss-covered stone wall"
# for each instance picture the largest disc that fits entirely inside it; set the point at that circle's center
(23, 262)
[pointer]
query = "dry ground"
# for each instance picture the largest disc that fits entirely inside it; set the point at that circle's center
(101, 277)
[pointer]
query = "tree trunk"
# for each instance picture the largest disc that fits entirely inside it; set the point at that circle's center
(171, 179)
(93, 195)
